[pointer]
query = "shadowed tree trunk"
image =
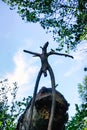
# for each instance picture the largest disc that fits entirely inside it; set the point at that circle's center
(41, 112)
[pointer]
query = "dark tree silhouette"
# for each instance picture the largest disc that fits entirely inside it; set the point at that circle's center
(44, 67)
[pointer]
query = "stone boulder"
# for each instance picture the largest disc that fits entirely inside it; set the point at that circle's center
(41, 112)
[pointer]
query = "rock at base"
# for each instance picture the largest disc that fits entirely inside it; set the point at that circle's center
(41, 112)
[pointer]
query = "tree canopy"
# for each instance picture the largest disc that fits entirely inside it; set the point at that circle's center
(65, 19)
(79, 121)
(10, 111)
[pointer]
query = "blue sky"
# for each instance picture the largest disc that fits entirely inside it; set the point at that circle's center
(17, 35)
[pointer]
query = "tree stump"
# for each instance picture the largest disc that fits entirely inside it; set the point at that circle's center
(41, 112)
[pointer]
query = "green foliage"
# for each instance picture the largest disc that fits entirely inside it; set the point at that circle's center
(82, 89)
(6, 112)
(65, 19)
(9, 112)
(79, 121)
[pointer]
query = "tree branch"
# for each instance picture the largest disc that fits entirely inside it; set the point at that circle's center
(35, 54)
(60, 54)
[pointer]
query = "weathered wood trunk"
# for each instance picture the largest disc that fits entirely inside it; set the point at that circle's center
(41, 112)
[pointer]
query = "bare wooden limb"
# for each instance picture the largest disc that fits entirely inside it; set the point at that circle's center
(53, 98)
(44, 68)
(33, 53)
(60, 54)
(33, 99)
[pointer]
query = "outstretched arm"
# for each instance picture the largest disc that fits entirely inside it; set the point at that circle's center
(35, 54)
(61, 54)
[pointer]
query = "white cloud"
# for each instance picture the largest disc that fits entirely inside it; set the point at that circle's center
(81, 52)
(73, 70)
(24, 73)
(80, 61)
(23, 70)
